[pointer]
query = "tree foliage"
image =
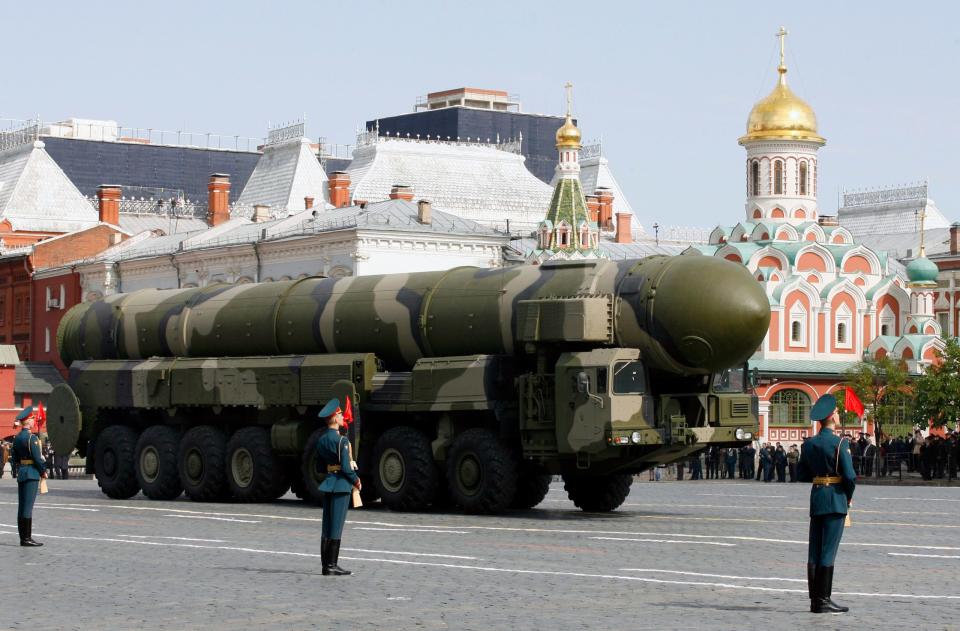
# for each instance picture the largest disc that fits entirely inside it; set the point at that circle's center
(873, 381)
(937, 391)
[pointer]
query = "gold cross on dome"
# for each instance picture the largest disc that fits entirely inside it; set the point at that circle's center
(782, 35)
(569, 88)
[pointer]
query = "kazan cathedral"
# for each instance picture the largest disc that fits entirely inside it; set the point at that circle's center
(832, 301)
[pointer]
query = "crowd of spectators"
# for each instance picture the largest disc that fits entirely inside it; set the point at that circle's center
(933, 457)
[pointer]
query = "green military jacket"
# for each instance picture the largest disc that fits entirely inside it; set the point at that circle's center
(26, 446)
(334, 449)
(826, 454)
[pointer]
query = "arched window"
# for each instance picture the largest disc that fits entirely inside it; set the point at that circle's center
(778, 177)
(798, 325)
(544, 238)
(884, 329)
(844, 320)
(754, 178)
(803, 178)
(789, 407)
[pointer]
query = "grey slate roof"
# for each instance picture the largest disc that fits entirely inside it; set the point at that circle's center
(90, 163)
(614, 251)
(168, 225)
(35, 194)
(284, 175)
(36, 378)
(907, 245)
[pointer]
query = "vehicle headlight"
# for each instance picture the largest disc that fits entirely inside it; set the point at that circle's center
(635, 437)
(740, 434)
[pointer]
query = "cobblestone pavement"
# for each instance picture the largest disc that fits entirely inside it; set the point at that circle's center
(677, 555)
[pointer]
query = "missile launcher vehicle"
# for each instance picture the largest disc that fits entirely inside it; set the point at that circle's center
(471, 387)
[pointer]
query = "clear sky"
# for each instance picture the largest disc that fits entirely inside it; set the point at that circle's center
(667, 86)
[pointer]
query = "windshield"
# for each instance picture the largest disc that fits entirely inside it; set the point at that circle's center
(730, 380)
(629, 378)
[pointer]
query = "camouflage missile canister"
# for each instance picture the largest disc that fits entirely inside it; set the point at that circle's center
(686, 314)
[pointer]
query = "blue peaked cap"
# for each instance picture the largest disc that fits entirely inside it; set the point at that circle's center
(823, 408)
(27, 411)
(330, 408)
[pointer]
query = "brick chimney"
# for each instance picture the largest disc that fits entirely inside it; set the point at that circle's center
(308, 202)
(623, 229)
(109, 196)
(424, 212)
(593, 207)
(401, 191)
(218, 199)
(605, 214)
(339, 184)
(955, 238)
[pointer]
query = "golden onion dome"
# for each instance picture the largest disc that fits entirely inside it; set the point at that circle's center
(568, 136)
(782, 115)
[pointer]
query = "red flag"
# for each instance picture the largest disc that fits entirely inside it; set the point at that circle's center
(41, 418)
(852, 403)
(348, 412)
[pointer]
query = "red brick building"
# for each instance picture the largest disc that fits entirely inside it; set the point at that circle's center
(8, 375)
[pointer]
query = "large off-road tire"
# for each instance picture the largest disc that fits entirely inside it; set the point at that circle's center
(404, 473)
(157, 471)
(201, 461)
(598, 494)
(254, 473)
(481, 472)
(115, 462)
(310, 474)
(532, 486)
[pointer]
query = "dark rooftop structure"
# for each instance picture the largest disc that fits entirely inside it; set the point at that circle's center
(480, 115)
(90, 163)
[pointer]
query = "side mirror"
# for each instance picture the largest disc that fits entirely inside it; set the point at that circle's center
(583, 383)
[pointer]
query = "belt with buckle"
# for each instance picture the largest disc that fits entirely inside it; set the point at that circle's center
(827, 480)
(333, 468)
(26, 462)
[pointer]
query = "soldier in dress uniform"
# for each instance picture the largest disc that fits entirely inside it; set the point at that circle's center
(333, 450)
(826, 462)
(26, 451)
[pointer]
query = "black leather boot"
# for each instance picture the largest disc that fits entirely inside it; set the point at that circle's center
(325, 555)
(20, 530)
(811, 584)
(26, 539)
(827, 591)
(333, 568)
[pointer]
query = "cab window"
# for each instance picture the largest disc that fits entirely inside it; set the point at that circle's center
(730, 380)
(629, 378)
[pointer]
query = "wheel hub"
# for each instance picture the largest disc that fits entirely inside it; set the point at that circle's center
(241, 465)
(469, 474)
(392, 470)
(149, 463)
(194, 465)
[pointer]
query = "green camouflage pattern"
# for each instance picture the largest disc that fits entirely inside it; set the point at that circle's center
(536, 352)
(687, 314)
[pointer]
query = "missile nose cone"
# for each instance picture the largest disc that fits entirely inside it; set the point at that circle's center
(714, 312)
